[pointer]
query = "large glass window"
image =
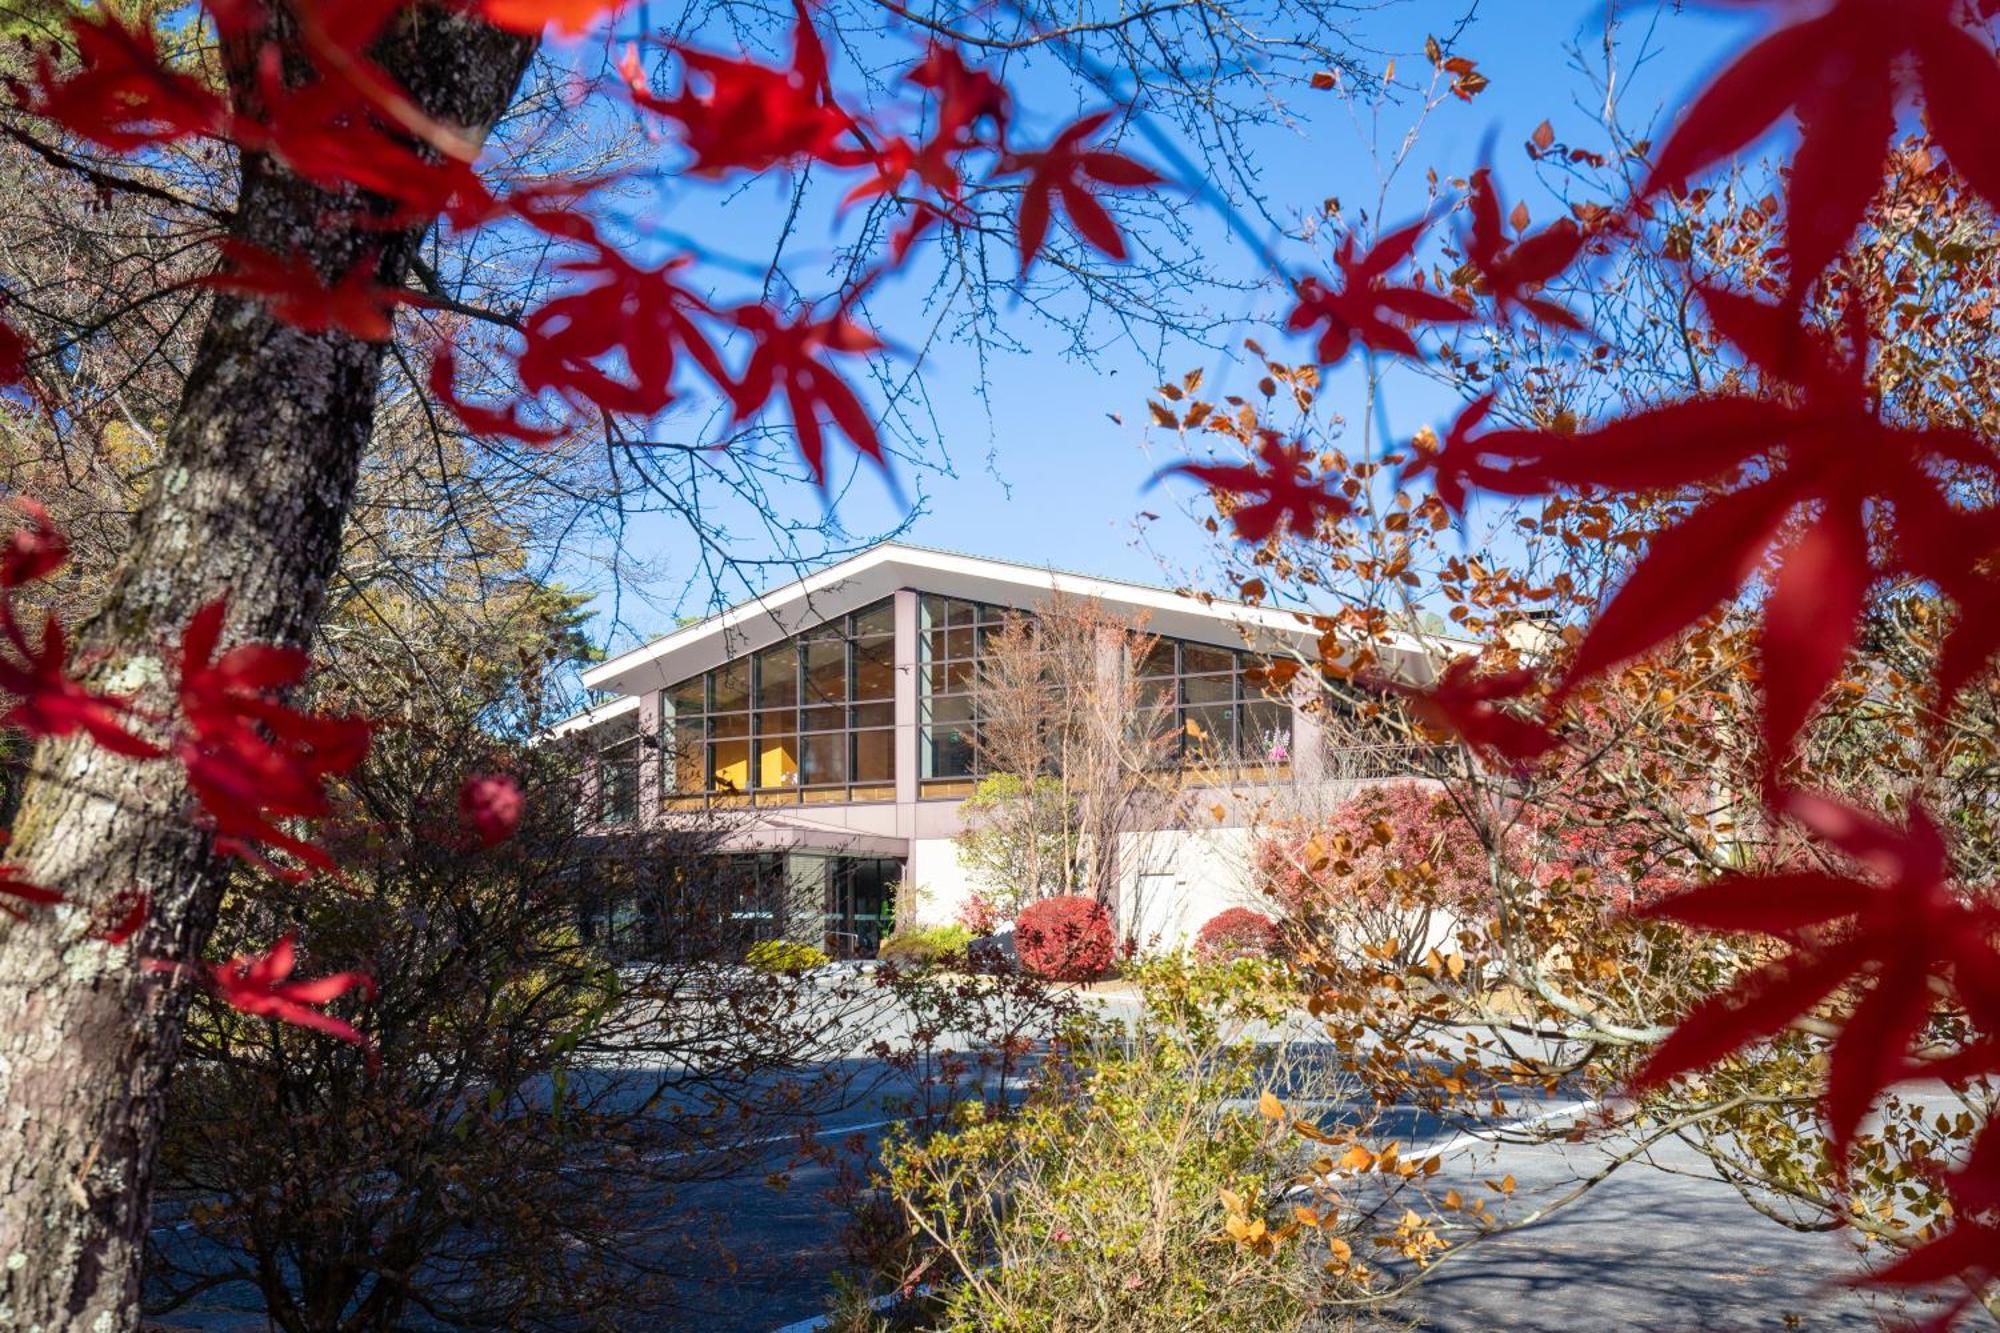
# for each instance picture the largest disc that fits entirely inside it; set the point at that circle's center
(618, 774)
(1212, 698)
(1225, 715)
(808, 719)
(952, 632)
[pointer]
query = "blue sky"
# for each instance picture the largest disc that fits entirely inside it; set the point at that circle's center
(1035, 468)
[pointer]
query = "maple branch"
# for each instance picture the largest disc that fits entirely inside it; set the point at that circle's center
(434, 292)
(1039, 37)
(55, 157)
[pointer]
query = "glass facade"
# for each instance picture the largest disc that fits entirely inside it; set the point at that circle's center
(1224, 716)
(618, 759)
(951, 633)
(809, 719)
(1214, 698)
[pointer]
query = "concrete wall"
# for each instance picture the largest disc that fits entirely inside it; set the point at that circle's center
(1169, 883)
(942, 884)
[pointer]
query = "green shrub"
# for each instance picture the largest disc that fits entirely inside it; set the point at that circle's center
(786, 956)
(925, 944)
(1145, 1184)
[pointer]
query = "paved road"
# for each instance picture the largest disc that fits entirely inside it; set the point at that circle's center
(1661, 1245)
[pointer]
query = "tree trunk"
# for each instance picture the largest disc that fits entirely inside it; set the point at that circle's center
(256, 477)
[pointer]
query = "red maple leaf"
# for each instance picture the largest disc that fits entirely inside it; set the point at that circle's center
(356, 305)
(791, 359)
(35, 551)
(1071, 172)
(1820, 442)
(484, 422)
(329, 131)
(13, 355)
(968, 100)
(48, 702)
(1466, 702)
(1842, 72)
(1365, 309)
(249, 758)
(639, 319)
(751, 117)
(490, 804)
(1968, 1250)
(965, 96)
(572, 18)
(1891, 935)
(13, 884)
(120, 95)
(136, 904)
(1512, 274)
(261, 986)
(1284, 474)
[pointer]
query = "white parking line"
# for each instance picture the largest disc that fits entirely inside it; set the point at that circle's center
(831, 1131)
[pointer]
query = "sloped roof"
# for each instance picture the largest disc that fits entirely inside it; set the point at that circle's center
(881, 570)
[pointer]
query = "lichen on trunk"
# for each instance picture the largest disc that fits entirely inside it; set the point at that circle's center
(257, 475)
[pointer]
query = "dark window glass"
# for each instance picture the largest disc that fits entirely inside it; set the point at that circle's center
(874, 756)
(689, 698)
(1266, 736)
(949, 708)
(729, 724)
(778, 722)
(948, 752)
(1197, 658)
(1158, 659)
(1211, 731)
(830, 718)
(877, 619)
(874, 715)
(778, 677)
(875, 669)
(618, 781)
(1208, 690)
(826, 672)
(731, 688)
(824, 761)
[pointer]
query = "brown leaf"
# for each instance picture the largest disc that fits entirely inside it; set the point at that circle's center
(1544, 137)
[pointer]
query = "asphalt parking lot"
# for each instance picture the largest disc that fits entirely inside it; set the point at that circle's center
(1659, 1245)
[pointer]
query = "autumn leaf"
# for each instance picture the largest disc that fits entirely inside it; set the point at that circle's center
(1068, 171)
(1365, 309)
(1294, 498)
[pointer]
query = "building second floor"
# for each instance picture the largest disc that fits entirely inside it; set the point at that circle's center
(873, 696)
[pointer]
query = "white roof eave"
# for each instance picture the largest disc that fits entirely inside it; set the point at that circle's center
(881, 570)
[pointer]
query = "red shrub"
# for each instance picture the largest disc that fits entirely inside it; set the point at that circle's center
(1065, 939)
(1234, 933)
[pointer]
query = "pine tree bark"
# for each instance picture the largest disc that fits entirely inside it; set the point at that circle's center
(256, 478)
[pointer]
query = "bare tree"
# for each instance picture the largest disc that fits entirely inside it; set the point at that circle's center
(1080, 753)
